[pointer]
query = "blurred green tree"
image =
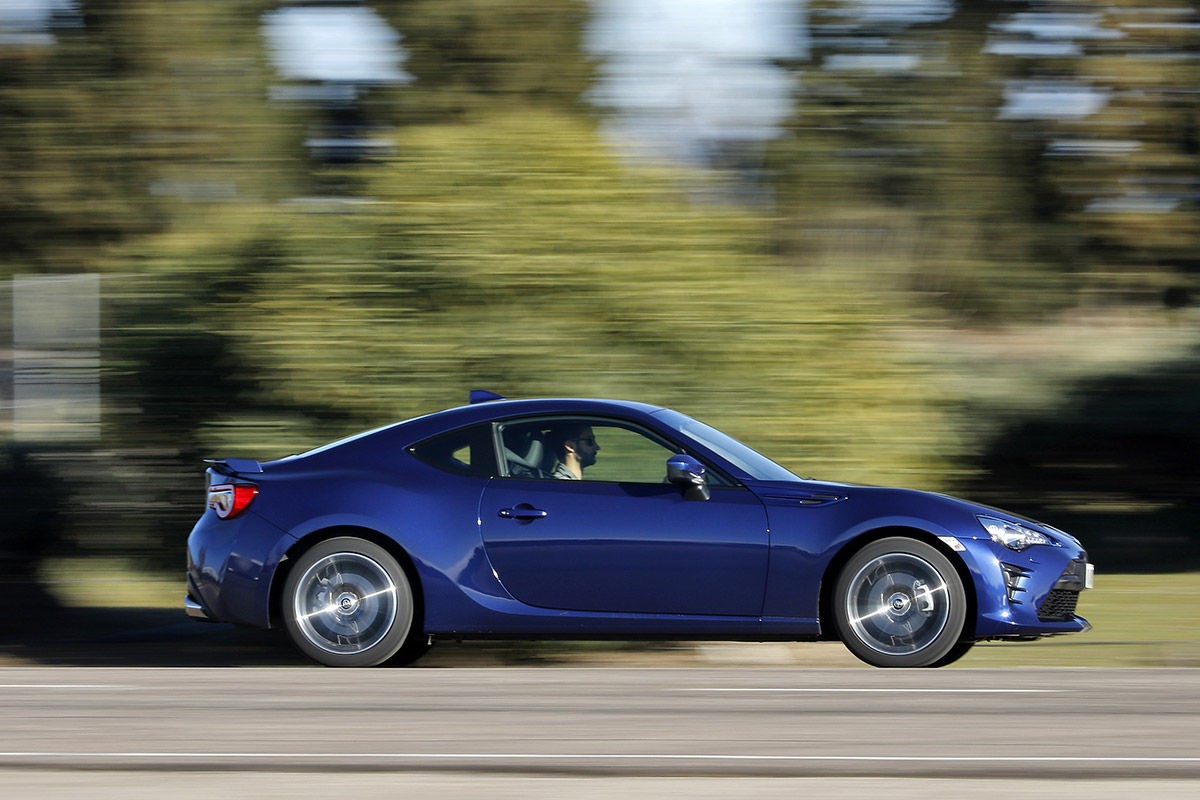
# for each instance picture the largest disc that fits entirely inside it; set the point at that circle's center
(258, 302)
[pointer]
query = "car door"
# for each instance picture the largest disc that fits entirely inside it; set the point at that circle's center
(620, 539)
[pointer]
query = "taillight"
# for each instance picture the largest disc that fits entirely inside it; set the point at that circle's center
(231, 499)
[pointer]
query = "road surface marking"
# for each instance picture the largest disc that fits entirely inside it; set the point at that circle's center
(63, 686)
(606, 757)
(883, 691)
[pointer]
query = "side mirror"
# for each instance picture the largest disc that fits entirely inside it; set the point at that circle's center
(688, 473)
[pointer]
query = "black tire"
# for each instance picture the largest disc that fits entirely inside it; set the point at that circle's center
(416, 647)
(348, 603)
(900, 603)
(958, 651)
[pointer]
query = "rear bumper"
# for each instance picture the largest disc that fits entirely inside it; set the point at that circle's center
(230, 567)
(195, 610)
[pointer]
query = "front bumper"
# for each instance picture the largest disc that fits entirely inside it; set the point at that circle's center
(1028, 593)
(1059, 604)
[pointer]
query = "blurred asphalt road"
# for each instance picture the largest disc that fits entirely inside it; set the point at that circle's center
(136, 703)
(597, 732)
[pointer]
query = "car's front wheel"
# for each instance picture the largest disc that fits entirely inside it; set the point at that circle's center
(348, 603)
(900, 603)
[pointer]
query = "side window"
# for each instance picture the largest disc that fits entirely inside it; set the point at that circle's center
(584, 448)
(468, 451)
(626, 456)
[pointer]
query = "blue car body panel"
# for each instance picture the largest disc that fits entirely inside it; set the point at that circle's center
(605, 559)
(629, 548)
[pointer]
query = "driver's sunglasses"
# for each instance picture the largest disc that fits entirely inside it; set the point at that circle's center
(587, 440)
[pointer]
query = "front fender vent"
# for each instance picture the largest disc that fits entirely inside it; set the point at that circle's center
(805, 499)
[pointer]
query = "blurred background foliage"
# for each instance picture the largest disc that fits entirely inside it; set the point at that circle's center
(949, 244)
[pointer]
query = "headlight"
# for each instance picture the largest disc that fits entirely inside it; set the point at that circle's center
(1013, 535)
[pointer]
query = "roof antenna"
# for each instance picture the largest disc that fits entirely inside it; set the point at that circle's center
(484, 396)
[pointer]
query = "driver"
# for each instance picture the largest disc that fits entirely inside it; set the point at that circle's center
(575, 449)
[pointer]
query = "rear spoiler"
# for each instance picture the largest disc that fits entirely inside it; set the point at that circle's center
(234, 466)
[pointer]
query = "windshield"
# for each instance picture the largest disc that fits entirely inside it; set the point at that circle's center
(752, 463)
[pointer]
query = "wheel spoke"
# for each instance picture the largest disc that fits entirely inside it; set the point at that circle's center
(892, 604)
(323, 610)
(390, 590)
(876, 613)
(346, 603)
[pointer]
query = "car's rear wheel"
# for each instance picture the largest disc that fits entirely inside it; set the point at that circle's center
(348, 603)
(900, 603)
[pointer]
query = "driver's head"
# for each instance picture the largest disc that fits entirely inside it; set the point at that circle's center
(577, 441)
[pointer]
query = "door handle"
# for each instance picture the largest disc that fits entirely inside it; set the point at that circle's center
(522, 512)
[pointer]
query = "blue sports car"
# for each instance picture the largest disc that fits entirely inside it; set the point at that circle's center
(594, 519)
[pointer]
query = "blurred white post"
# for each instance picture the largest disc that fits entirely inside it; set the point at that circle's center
(55, 394)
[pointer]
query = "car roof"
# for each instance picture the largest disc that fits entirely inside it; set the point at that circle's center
(418, 428)
(502, 409)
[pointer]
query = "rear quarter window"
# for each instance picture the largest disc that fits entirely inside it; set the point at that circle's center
(469, 451)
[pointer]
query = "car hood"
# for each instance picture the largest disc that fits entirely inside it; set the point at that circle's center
(954, 514)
